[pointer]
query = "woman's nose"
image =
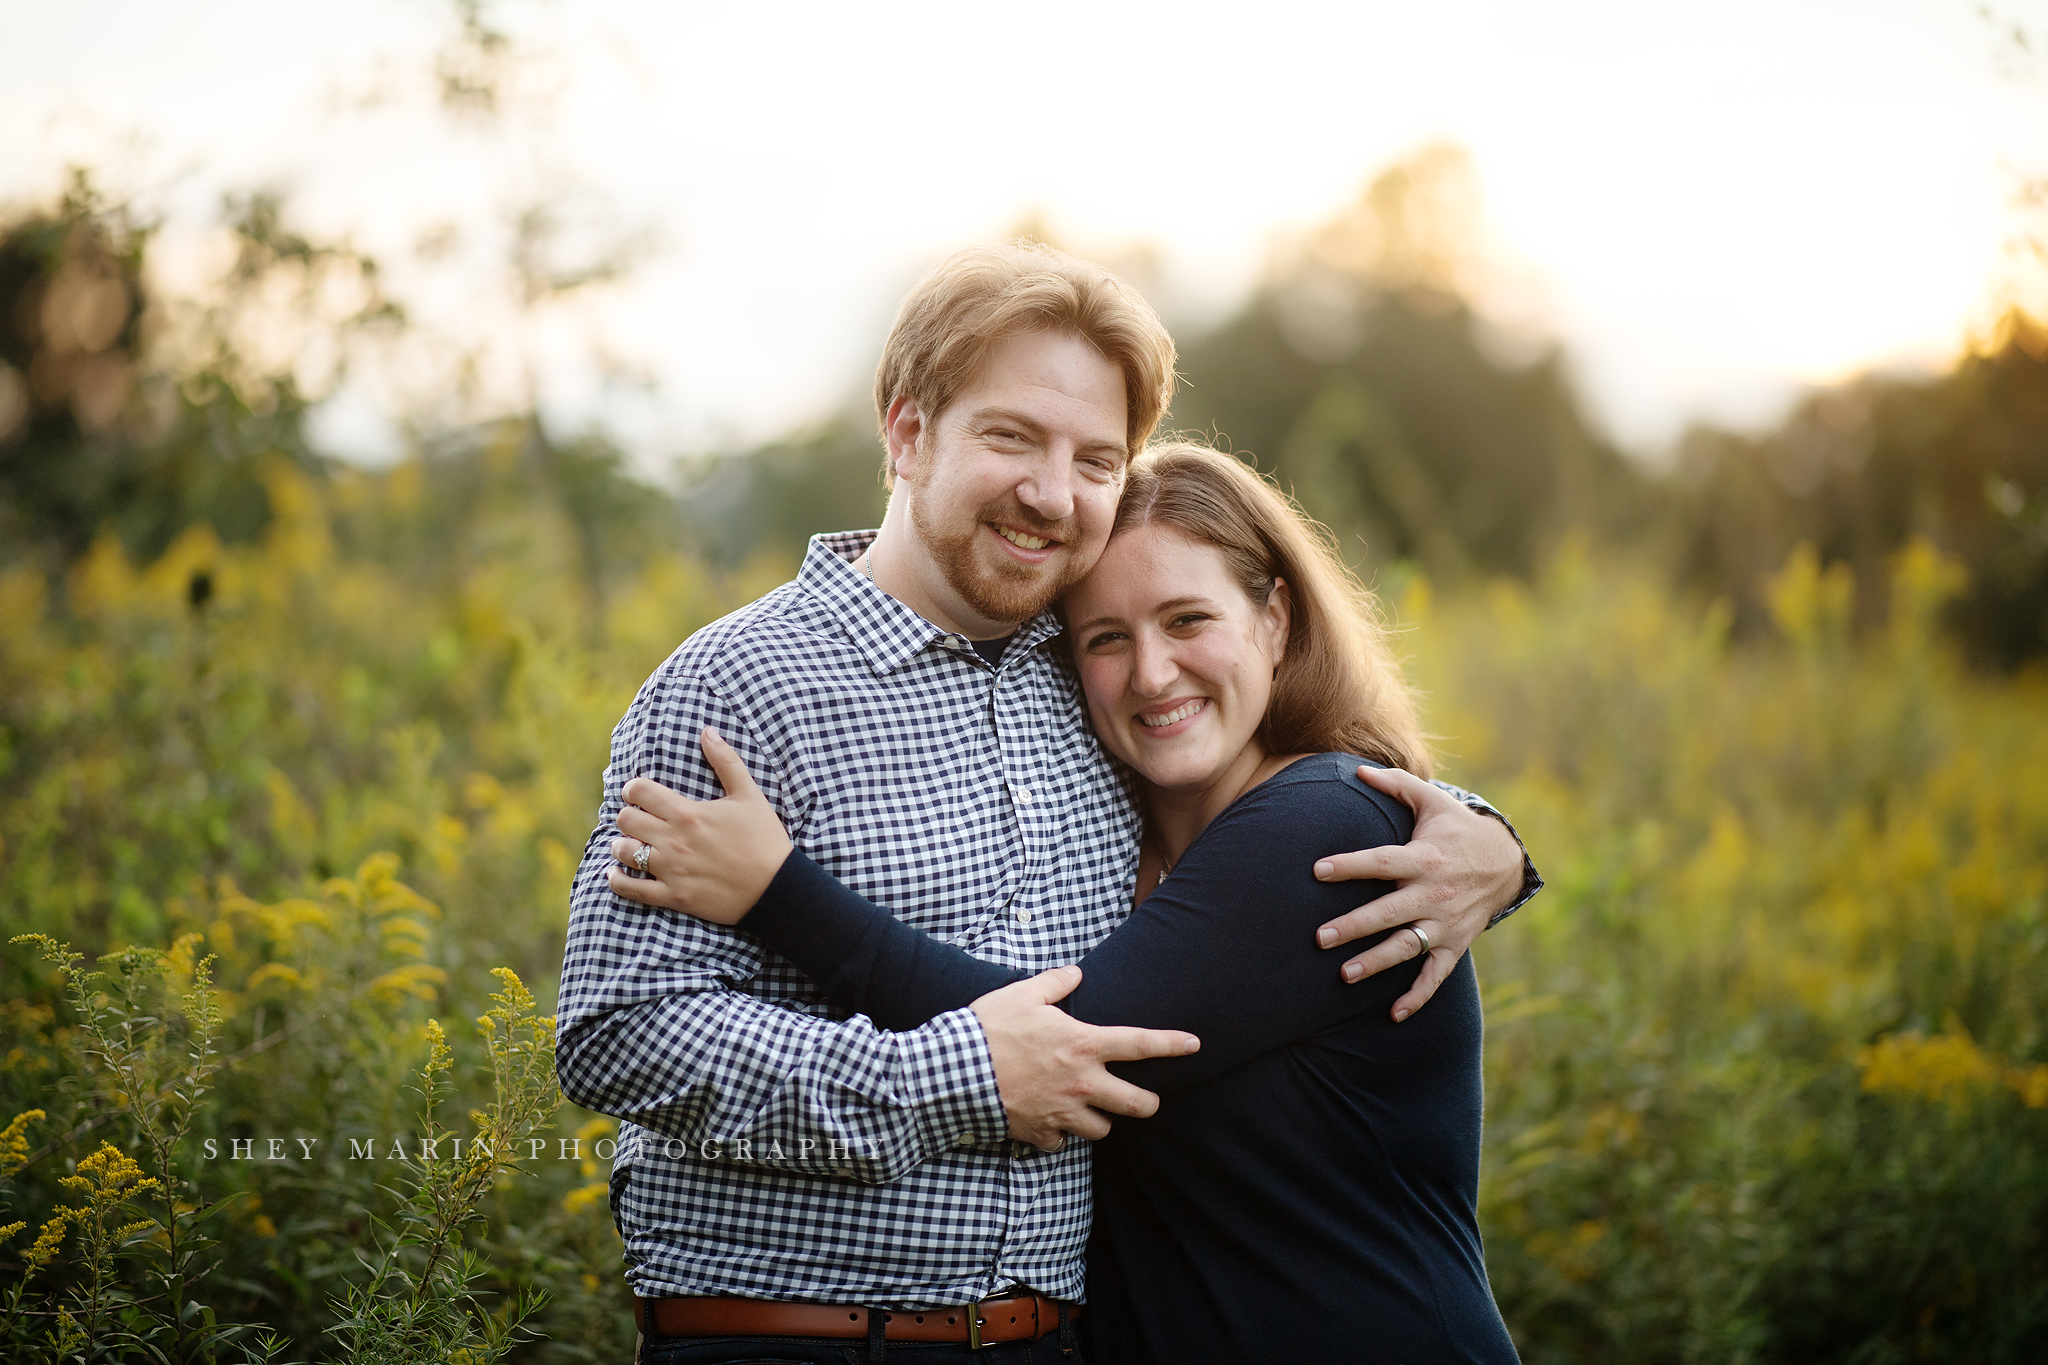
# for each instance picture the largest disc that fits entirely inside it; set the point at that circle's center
(1155, 668)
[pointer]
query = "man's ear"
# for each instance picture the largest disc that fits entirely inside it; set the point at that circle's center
(903, 428)
(1278, 614)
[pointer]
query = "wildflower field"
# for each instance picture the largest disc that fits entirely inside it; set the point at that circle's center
(1767, 1072)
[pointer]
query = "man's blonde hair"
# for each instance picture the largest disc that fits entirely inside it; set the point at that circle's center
(977, 297)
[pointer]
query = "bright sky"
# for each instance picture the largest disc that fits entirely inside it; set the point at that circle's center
(1711, 202)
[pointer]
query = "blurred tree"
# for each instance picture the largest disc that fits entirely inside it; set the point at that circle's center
(1857, 471)
(768, 501)
(1360, 375)
(127, 413)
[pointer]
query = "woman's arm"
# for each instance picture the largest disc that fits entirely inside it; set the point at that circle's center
(865, 959)
(1225, 948)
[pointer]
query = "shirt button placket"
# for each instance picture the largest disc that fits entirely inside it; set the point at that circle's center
(1020, 763)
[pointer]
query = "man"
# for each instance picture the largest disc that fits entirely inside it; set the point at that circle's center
(907, 707)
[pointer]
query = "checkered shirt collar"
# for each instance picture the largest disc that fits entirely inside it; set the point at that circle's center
(887, 633)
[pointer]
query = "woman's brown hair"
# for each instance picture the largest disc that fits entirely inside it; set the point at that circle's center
(1339, 687)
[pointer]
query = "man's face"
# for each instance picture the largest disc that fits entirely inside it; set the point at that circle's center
(1015, 485)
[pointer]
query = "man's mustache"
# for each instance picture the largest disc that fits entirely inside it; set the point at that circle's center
(1018, 518)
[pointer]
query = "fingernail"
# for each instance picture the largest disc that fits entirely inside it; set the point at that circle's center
(1327, 937)
(1192, 1045)
(1325, 868)
(1352, 971)
(1400, 1015)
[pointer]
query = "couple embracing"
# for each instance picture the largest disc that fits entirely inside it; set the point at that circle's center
(1034, 816)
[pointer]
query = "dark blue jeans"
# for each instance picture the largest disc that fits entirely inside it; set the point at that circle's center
(1045, 1350)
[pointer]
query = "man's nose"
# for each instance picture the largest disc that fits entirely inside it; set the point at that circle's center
(1048, 489)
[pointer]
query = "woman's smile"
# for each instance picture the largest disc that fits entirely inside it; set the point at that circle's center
(1167, 719)
(1177, 661)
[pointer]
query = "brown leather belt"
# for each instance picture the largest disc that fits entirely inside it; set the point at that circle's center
(1017, 1318)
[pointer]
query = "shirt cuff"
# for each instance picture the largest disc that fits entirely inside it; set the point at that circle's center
(952, 1084)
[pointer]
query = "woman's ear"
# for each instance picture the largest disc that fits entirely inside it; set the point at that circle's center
(1275, 619)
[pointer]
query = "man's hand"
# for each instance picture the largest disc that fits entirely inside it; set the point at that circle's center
(1049, 1065)
(1455, 873)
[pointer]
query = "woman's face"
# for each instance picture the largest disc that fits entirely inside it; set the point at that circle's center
(1177, 661)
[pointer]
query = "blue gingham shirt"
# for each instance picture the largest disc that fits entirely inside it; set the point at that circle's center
(770, 1149)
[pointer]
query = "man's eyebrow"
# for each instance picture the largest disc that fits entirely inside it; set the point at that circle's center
(1014, 418)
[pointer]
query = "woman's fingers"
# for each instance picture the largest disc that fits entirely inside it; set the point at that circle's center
(643, 827)
(730, 767)
(640, 890)
(654, 798)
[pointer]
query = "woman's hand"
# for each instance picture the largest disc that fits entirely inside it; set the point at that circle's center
(711, 859)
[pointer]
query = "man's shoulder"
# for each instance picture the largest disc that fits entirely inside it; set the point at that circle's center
(757, 644)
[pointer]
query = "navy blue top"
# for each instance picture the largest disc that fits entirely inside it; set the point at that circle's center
(1308, 1189)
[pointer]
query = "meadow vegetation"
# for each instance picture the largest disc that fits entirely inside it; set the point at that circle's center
(296, 759)
(1766, 1060)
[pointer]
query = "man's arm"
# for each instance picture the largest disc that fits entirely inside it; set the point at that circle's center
(658, 1025)
(1464, 871)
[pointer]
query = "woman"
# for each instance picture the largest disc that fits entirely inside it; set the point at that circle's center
(1308, 1187)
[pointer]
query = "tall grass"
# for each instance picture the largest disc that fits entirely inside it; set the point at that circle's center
(1765, 1061)
(1768, 1078)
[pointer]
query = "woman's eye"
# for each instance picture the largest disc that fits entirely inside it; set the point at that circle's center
(1186, 619)
(1107, 637)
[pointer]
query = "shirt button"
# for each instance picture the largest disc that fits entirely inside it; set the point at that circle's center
(1023, 794)
(964, 1140)
(1023, 916)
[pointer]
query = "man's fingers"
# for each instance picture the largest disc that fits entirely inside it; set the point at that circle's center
(1088, 1123)
(1442, 961)
(1113, 1096)
(1400, 946)
(1048, 986)
(1405, 787)
(1396, 907)
(1125, 1044)
(1387, 863)
(727, 763)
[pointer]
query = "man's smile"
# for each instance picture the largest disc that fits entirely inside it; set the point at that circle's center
(1019, 538)
(1034, 546)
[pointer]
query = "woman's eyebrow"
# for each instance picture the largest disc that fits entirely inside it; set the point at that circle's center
(1170, 604)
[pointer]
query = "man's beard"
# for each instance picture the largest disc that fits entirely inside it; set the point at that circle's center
(1008, 591)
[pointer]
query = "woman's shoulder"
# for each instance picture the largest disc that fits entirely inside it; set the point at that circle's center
(1318, 795)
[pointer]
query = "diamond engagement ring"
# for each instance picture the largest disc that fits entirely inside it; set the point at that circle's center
(640, 859)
